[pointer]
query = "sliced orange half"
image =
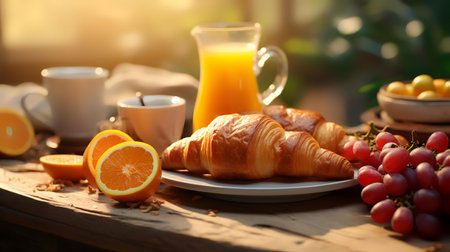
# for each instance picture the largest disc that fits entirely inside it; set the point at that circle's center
(16, 133)
(63, 166)
(98, 145)
(129, 172)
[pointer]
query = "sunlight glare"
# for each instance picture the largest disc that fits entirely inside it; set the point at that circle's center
(349, 25)
(389, 50)
(445, 44)
(338, 47)
(414, 28)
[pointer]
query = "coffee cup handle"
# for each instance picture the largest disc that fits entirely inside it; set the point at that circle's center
(275, 89)
(36, 118)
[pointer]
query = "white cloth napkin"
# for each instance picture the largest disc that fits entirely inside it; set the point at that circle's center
(125, 80)
(10, 97)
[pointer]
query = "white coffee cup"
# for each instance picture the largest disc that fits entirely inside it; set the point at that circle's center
(76, 98)
(159, 122)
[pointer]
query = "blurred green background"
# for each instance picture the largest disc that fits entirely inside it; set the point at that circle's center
(340, 52)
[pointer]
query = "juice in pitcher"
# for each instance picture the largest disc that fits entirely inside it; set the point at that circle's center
(227, 82)
(229, 64)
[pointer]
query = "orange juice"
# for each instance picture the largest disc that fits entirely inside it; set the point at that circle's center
(227, 82)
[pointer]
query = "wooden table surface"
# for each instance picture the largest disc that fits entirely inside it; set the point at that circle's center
(189, 221)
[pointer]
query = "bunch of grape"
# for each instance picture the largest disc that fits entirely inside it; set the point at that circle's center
(408, 186)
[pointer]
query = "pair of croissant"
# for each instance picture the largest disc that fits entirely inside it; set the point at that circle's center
(254, 147)
(330, 136)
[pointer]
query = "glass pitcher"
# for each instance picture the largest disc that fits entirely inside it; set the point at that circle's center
(229, 65)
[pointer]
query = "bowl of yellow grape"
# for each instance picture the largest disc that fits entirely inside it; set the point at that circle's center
(422, 100)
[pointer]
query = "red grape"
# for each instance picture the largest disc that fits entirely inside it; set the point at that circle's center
(390, 146)
(361, 150)
(396, 184)
(428, 226)
(410, 176)
(440, 157)
(426, 177)
(374, 193)
(444, 180)
(381, 170)
(386, 149)
(438, 141)
(420, 155)
(383, 138)
(366, 167)
(426, 201)
(396, 160)
(402, 141)
(402, 220)
(374, 159)
(347, 150)
(446, 161)
(384, 152)
(368, 176)
(382, 211)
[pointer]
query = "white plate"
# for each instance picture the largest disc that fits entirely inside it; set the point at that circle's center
(261, 191)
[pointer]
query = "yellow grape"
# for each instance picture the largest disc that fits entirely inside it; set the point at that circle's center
(422, 83)
(428, 94)
(409, 89)
(446, 89)
(396, 87)
(439, 85)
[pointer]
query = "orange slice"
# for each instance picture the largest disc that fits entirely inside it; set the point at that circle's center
(63, 166)
(98, 145)
(129, 172)
(16, 133)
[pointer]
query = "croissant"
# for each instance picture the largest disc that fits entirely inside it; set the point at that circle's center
(329, 135)
(253, 147)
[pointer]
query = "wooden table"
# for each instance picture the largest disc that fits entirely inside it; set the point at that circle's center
(188, 221)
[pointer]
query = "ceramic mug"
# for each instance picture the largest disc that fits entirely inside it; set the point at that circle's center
(159, 122)
(75, 95)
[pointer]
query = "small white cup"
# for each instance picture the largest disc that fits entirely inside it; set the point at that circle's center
(76, 99)
(159, 123)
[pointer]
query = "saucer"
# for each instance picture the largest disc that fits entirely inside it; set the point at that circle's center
(380, 119)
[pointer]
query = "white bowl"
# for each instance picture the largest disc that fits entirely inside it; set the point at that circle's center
(407, 108)
(159, 123)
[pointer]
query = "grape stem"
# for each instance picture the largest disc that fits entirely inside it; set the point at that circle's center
(404, 201)
(370, 135)
(414, 141)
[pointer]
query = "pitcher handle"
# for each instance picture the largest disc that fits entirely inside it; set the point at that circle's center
(275, 89)
(35, 117)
